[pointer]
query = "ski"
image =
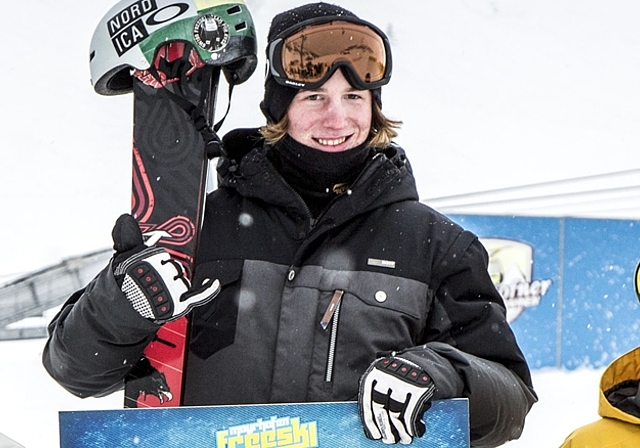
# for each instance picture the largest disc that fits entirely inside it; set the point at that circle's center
(168, 190)
(170, 55)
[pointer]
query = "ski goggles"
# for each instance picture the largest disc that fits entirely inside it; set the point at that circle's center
(306, 56)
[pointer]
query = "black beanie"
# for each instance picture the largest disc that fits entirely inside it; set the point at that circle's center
(277, 97)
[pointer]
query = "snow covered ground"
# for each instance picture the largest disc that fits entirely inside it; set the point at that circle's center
(493, 94)
(31, 401)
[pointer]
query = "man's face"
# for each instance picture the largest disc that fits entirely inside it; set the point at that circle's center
(333, 118)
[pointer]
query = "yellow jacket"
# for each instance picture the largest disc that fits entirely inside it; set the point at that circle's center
(616, 428)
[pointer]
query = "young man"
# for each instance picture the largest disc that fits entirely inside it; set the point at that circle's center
(336, 283)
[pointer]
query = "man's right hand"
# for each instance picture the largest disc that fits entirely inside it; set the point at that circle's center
(156, 285)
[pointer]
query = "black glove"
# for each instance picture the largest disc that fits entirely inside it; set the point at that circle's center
(394, 394)
(127, 240)
(156, 285)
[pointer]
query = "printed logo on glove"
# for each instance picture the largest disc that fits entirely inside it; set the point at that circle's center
(157, 286)
(394, 394)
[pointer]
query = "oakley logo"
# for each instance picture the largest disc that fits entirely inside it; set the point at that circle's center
(295, 84)
(128, 28)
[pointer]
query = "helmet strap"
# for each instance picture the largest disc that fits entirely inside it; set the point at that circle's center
(202, 114)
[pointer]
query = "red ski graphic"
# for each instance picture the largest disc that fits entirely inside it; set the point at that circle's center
(168, 188)
(171, 56)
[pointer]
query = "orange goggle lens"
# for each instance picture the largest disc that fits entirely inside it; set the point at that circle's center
(308, 55)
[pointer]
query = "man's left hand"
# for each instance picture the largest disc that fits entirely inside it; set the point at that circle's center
(394, 394)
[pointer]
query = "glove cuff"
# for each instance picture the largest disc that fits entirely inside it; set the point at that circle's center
(145, 288)
(406, 370)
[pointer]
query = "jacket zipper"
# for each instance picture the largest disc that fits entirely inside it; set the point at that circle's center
(297, 195)
(347, 191)
(332, 315)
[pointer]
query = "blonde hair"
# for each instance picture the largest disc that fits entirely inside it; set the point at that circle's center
(383, 129)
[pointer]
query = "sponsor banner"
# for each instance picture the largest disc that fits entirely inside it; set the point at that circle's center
(568, 285)
(326, 425)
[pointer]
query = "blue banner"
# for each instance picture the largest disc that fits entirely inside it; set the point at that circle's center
(568, 285)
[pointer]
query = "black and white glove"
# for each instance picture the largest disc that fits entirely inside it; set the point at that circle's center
(156, 285)
(394, 394)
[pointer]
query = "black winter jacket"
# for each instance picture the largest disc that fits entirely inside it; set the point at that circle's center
(413, 282)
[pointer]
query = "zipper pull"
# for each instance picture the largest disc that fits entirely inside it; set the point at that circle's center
(328, 314)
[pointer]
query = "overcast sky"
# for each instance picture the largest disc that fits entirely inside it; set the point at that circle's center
(493, 94)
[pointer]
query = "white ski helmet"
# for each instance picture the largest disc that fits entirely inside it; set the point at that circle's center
(128, 36)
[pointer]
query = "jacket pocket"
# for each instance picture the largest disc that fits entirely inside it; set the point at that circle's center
(373, 313)
(213, 326)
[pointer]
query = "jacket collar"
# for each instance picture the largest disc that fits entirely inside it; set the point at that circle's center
(623, 369)
(387, 178)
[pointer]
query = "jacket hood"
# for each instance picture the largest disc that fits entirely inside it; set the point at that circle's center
(387, 177)
(619, 396)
